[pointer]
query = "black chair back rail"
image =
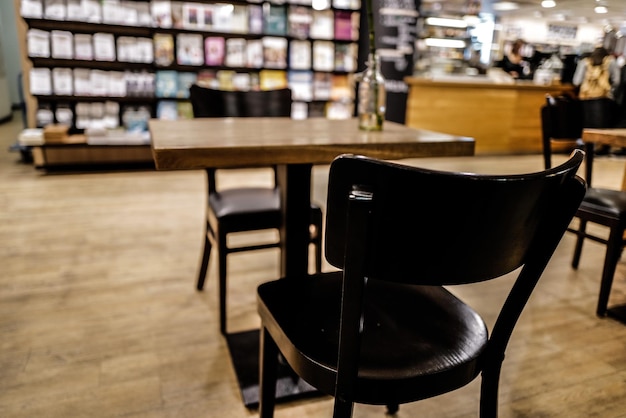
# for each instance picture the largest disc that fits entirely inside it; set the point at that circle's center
(383, 329)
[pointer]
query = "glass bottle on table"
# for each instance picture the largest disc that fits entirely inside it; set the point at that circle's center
(371, 96)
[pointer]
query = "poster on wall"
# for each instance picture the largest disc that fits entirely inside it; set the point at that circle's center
(562, 32)
(395, 25)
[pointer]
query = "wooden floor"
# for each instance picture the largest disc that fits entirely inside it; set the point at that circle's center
(99, 316)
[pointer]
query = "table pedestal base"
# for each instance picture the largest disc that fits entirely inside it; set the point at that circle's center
(244, 354)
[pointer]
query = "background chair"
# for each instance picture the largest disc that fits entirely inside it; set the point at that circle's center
(383, 330)
(243, 208)
(562, 120)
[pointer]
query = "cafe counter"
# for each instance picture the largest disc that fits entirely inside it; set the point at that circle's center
(503, 118)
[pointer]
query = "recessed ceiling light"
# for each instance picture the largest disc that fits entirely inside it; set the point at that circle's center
(600, 10)
(548, 4)
(503, 6)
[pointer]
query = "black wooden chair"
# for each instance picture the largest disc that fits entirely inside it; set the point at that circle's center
(243, 208)
(562, 119)
(383, 329)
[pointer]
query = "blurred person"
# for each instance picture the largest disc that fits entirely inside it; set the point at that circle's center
(514, 63)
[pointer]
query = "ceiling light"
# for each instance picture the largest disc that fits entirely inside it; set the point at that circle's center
(503, 6)
(548, 4)
(600, 10)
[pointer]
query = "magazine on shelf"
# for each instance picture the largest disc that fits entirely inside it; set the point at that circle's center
(299, 110)
(163, 49)
(235, 52)
(167, 110)
(317, 109)
(126, 48)
(274, 52)
(116, 84)
(189, 49)
(75, 10)
(55, 9)
(214, 49)
(322, 25)
(184, 110)
(322, 84)
(99, 82)
(254, 53)
(82, 81)
(161, 11)
(299, 21)
(225, 79)
(138, 13)
(83, 46)
(323, 55)
(241, 81)
(255, 19)
(346, 28)
(239, 19)
(193, 16)
(347, 4)
(103, 46)
(301, 85)
(341, 89)
(300, 55)
(145, 50)
(207, 78)
(92, 11)
(185, 80)
(31, 9)
(275, 19)
(62, 81)
(38, 43)
(166, 84)
(177, 14)
(272, 79)
(62, 44)
(345, 56)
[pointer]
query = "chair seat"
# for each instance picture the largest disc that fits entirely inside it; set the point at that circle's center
(397, 356)
(247, 208)
(605, 202)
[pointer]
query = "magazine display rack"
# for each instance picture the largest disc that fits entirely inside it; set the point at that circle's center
(111, 65)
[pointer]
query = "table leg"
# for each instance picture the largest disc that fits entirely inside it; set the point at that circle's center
(294, 182)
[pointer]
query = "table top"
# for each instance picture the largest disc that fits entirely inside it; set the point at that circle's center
(252, 142)
(615, 137)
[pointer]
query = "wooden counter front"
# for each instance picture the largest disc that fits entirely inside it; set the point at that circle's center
(502, 118)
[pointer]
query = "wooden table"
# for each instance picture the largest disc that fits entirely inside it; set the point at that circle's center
(612, 137)
(294, 146)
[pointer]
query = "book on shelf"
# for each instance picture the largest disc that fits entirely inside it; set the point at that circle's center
(235, 52)
(323, 24)
(254, 53)
(145, 50)
(189, 49)
(126, 48)
(308, 3)
(185, 80)
(136, 13)
(322, 84)
(116, 84)
(323, 55)
(167, 110)
(299, 21)
(345, 56)
(166, 84)
(177, 14)
(299, 110)
(193, 15)
(272, 79)
(300, 55)
(40, 81)
(275, 19)
(163, 49)
(161, 11)
(55, 9)
(241, 81)
(38, 43)
(62, 44)
(255, 19)
(225, 79)
(274, 52)
(98, 82)
(62, 81)
(31, 9)
(214, 49)
(341, 89)
(339, 110)
(317, 109)
(239, 19)
(83, 46)
(103, 46)
(346, 25)
(301, 85)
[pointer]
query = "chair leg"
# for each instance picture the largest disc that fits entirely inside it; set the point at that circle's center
(267, 374)
(318, 255)
(343, 409)
(222, 252)
(204, 264)
(613, 253)
(489, 391)
(392, 408)
(579, 243)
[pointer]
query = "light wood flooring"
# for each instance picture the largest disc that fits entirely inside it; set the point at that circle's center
(99, 316)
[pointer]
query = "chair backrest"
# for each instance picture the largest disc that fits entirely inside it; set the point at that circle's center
(213, 103)
(392, 222)
(561, 120)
